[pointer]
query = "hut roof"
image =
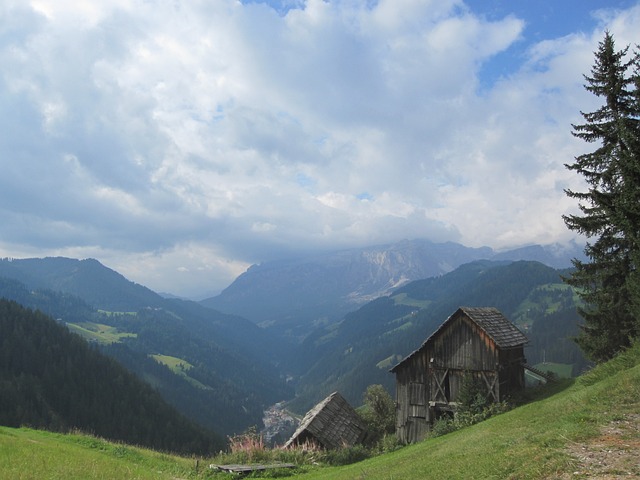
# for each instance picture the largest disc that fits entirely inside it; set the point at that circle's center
(504, 333)
(332, 423)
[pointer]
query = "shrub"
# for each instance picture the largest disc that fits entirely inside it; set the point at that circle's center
(465, 417)
(307, 453)
(378, 413)
(388, 443)
(472, 397)
(442, 426)
(347, 455)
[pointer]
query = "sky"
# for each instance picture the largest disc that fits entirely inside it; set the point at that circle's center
(179, 142)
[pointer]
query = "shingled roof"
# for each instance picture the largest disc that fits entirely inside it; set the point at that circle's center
(496, 325)
(504, 333)
(332, 423)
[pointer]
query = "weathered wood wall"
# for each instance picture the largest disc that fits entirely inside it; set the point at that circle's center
(432, 376)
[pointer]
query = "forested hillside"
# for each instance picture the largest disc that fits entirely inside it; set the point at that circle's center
(359, 350)
(222, 385)
(50, 378)
(216, 369)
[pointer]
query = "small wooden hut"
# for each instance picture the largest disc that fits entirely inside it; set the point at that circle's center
(332, 423)
(476, 342)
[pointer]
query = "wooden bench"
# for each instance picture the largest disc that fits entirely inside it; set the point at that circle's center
(246, 469)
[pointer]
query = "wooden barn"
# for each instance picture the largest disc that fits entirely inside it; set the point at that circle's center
(332, 423)
(479, 342)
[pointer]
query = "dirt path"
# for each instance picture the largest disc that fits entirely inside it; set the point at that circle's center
(614, 454)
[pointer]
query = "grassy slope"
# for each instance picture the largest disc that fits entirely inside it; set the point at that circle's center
(528, 442)
(29, 454)
(98, 332)
(179, 367)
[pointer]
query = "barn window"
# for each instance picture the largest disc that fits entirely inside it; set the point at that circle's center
(416, 394)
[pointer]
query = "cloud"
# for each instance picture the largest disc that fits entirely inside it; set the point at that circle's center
(181, 142)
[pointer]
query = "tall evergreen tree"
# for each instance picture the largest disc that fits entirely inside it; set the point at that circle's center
(610, 219)
(634, 140)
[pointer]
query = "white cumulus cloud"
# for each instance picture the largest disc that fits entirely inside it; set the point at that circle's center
(179, 142)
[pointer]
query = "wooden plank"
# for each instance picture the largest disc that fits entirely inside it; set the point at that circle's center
(244, 469)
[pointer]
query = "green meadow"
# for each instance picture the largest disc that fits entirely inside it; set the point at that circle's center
(99, 332)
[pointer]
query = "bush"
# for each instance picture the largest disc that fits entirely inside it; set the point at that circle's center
(347, 455)
(472, 397)
(378, 414)
(443, 425)
(388, 443)
(465, 417)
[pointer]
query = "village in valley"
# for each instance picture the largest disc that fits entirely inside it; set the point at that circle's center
(279, 424)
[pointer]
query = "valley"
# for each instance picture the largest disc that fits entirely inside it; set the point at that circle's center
(224, 371)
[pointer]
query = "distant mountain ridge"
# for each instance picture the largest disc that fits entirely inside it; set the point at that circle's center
(88, 279)
(296, 295)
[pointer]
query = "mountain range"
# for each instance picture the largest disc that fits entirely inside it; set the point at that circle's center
(297, 330)
(292, 297)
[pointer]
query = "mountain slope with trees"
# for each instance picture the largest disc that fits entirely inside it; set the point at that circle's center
(223, 371)
(231, 378)
(50, 378)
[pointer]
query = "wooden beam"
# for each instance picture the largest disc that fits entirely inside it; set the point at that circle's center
(491, 386)
(439, 382)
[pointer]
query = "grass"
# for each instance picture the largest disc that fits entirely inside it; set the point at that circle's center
(29, 454)
(529, 442)
(545, 299)
(176, 365)
(112, 314)
(404, 299)
(179, 367)
(404, 326)
(98, 332)
(389, 362)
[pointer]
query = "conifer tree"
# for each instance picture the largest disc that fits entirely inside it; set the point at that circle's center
(608, 283)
